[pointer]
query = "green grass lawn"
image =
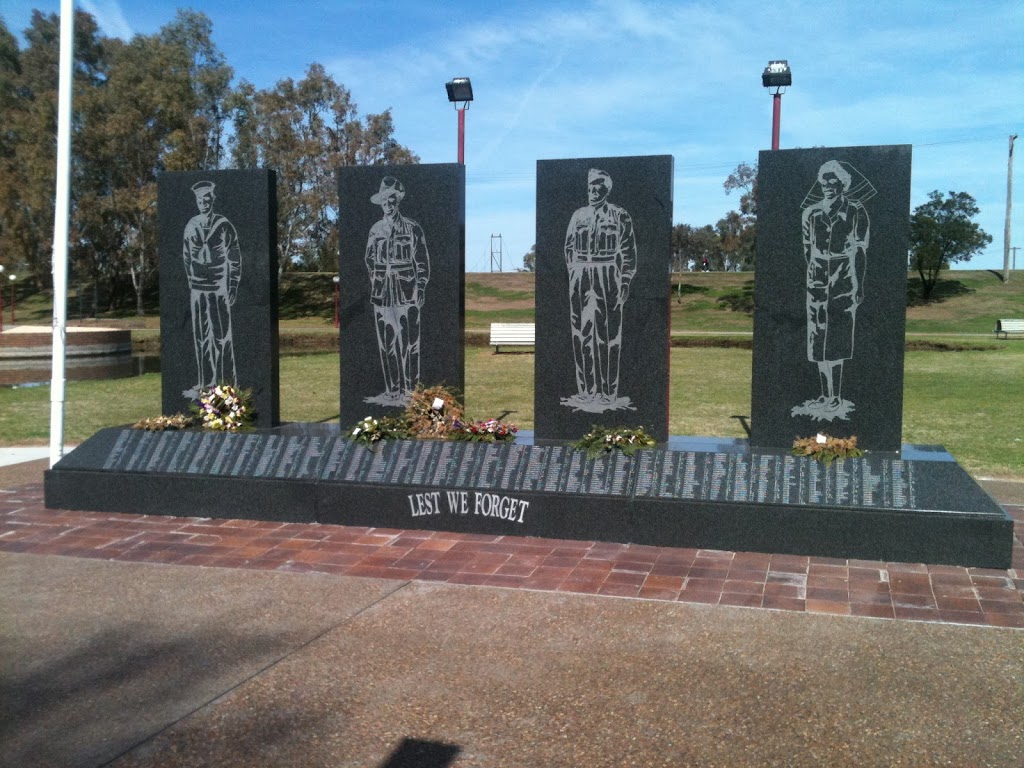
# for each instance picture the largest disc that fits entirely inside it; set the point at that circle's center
(967, 400)
(970, 402)
(966, 302)
(481, 319)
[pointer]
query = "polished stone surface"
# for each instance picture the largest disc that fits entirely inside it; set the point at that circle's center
(830, 295)
(218, 288)
(402, 294)
(604, 228)
(876, 507)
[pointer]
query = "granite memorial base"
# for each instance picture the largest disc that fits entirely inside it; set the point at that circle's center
(697, 492)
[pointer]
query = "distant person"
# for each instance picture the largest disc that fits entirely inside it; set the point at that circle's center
(836, 231)
(601, 257)
(213, 265)
(399, 268)
(705, 265)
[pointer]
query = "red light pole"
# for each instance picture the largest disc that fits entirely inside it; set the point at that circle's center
(460, 91)
(776, 118)
(776, 75)
(462, 136)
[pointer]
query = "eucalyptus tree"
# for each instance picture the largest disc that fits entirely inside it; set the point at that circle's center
(28, 125)
(305, 130)
(160, 108)
(692, 245)
(737, 230)
(163, 102)
(152, 103)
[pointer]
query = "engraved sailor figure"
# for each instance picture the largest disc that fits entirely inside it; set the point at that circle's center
(399, 268)
(836, 231)
(601, 257)
(213, 265)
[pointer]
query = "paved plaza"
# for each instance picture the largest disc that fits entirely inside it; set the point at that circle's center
(158, 641)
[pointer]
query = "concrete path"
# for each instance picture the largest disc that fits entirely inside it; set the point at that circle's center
(140, 664)
(109, 663)
(10, 455)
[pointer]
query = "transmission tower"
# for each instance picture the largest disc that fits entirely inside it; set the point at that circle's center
(496, 252)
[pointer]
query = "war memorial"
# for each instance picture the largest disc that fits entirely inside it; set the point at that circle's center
(827, 359)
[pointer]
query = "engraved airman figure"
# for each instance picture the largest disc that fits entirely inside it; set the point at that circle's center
(601, 258)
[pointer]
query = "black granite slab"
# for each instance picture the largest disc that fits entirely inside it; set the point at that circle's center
(402, 298)
(218, 287)
(602, 295)
(830, 295)
(725, 496)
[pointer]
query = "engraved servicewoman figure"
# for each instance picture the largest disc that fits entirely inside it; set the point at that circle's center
(836, 232)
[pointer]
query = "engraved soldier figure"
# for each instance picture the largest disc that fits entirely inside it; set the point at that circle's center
(399, 268)
(213, 265)
(601, 257)
(836, 230)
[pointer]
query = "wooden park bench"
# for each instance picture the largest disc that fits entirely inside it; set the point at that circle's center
(1005, 327)
(513, 335)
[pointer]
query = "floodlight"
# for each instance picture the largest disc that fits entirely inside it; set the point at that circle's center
(777, 74)
(460, 90)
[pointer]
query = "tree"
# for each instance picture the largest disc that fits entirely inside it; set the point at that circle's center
(161, 107)
(738, 229)
(158, 103)
(942, 233)
(199, 143)
(737, 235)
(10, 69)
(11, 108)
(305, 130)
(744, 180)
(691, 245)
(151, 104)
(28, 124)
(530, 260)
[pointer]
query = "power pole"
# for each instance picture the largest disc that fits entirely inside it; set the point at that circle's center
(1009, 207)
(1015, 249)
(496, 252)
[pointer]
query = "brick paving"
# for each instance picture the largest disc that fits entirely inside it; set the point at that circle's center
(897, 591)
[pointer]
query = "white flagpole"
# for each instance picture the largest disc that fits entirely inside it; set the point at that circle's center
(61, 226)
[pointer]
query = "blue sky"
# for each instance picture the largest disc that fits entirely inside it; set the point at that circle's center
(596, 78)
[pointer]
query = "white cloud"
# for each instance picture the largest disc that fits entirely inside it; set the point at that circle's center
(572, 78)
(110, 18)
